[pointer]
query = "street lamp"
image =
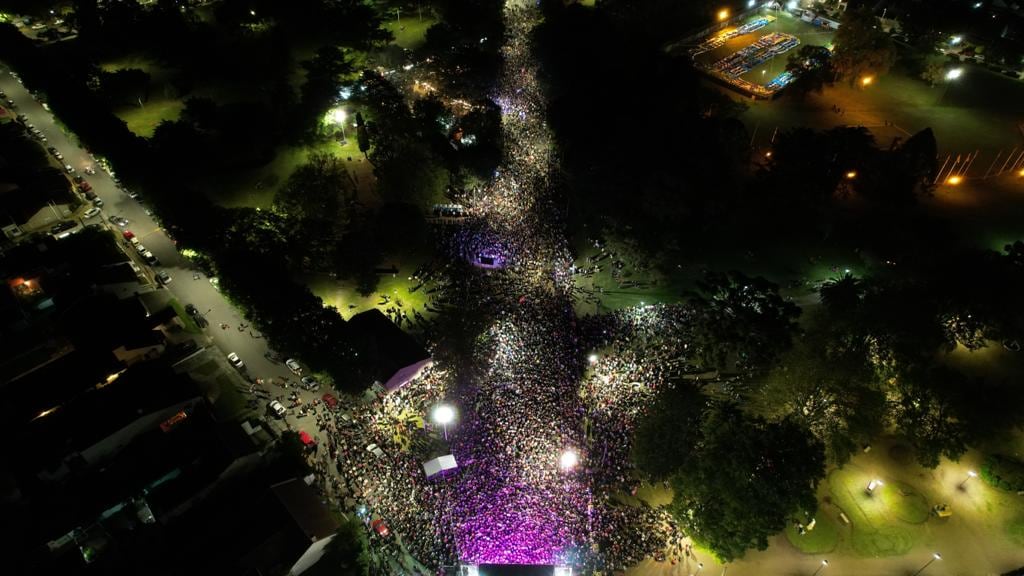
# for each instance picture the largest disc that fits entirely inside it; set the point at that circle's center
(592, 359)
(723, 15)
(700, 566)
(568, 460)
(951, 75)
(872, 485)
(338, 117)
(970, 474)
(935, 556)
(954, 180)
(851, 174)
(867, 80)
(824, 564)
(444, 415)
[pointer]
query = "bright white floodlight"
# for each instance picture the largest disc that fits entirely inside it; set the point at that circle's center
(569, 459)
(444, 414)
(592, 358)
(954, 73)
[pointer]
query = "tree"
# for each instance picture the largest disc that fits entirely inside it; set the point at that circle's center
(928, 412)
(325, 72)
(362, 136)
(741, 321)
(812, 66)
(665, 436)
(831, 392)
(346, 553)
(862, 48)
(842, 296)
(745, 480)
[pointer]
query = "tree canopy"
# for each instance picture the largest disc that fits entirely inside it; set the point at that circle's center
(862, 48)
(746, 479)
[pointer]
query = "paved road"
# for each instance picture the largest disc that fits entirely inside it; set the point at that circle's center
(188, 289)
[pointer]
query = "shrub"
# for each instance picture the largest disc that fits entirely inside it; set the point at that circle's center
(1003, 472)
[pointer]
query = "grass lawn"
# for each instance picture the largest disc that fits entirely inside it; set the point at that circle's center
(1015, 530)
(256, 188)
(823, 538)
(653, 288)
(877, 528)
(186, 319)
(343, 295)
(144, 120)
(413, 31)
(904, 502)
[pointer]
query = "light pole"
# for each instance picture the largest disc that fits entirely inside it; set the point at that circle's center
(952, 75)
(970, 474)
(700, 566)
(444, 415)
(338, 116)
(568, 460)
(824, 564)
(935, 556)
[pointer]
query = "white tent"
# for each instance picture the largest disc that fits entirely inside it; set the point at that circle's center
(434, 467)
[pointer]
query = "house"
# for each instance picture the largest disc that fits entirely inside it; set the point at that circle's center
(121, 280)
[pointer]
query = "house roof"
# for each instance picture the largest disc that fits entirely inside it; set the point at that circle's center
(305, 507)
(385, 347)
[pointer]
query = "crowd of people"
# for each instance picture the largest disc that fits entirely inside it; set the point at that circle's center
(546, 402)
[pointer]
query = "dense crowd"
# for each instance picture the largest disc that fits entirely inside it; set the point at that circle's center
(530, 394)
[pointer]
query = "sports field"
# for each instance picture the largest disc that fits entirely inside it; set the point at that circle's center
(780, 25)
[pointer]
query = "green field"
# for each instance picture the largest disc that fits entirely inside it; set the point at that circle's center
(412, 33)
(143, 120)
(823, 538)
(343, 295)
(256, 188)
(163, 103)
(877, 521)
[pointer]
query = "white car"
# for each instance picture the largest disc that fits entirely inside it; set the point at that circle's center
(139, 246)
(91, 212)
(236, 361)
(278, 409)
(69, 169)
(135, 241)
(293, 366)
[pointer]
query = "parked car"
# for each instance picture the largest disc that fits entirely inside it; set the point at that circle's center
(236, 361)
(84, 186)
(69, 169)
(91, 212)
(310, 383)
(97, 202)
(330, 401)
(277, 408)
(138, 246)
(120, 221)
(90, 195)
(191, 309)
(293, 366)
(128, 234)
(150, 258)
(62, 226)
(163, 277)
